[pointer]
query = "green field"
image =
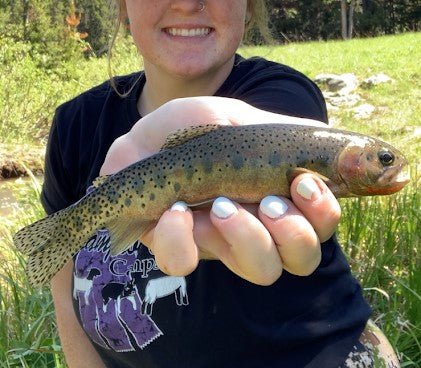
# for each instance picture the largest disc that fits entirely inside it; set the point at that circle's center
(381, 236)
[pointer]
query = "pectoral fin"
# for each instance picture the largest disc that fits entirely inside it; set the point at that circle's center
(293, 173)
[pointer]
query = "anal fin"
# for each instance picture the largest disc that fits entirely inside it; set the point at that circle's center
(124, 231)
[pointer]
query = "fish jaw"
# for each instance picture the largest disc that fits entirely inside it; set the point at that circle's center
(391, 181)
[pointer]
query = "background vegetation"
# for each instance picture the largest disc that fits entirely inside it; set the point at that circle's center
(327, 19)
(41, 69)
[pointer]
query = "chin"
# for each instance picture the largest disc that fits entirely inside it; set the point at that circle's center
(190, 72)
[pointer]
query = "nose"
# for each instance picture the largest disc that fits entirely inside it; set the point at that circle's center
(187, 6)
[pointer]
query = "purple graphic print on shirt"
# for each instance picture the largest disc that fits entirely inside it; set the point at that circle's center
(107, 288)
(109, 302)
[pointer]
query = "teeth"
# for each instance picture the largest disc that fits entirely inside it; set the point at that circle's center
(195, 32)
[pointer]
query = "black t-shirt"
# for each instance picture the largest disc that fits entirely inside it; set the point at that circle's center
(138, 317)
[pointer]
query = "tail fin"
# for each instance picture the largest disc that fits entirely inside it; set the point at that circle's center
(36, 236)
(44, 264)
(50, 244)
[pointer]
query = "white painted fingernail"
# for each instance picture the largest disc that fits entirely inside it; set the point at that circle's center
(307, 188)
(223, 208)
(179, 206)
(273, 207)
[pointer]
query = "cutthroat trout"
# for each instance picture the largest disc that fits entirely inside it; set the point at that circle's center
(196, 165)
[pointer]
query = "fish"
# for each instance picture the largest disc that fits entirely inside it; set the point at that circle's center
(198, 164)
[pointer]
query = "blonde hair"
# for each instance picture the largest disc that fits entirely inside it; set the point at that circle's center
(258, 22)
(255, 25)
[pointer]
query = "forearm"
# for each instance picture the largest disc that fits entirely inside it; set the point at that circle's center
(77, 348)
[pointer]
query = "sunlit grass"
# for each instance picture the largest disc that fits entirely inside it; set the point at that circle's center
(382, 240)
(28, 336)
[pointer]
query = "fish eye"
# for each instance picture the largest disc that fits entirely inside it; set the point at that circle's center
(386, 158)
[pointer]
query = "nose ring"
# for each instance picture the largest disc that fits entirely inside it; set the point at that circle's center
(202, 6)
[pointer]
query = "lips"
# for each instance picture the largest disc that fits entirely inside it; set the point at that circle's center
(393, 180)
(188, 32)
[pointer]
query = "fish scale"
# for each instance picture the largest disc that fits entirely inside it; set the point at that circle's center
(244, 163)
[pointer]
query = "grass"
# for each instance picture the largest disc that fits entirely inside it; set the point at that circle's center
(380, 235)
(28, 336)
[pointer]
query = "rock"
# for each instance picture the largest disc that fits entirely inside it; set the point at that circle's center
(375, 80)
(331, 107)
(417, 132)
(339, 100)
(342, 84)
(324, 78)
(363, 111)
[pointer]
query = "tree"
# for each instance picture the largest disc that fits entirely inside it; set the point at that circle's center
(347, 18)
(97, 22)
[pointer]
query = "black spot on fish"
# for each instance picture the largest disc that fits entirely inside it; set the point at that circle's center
(152, 196)
(128, 202)
(177, 187)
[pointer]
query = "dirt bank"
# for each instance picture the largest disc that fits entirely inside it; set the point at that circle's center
(15, 160)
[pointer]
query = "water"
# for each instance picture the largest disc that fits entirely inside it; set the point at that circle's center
(7, 200)
(8, 192)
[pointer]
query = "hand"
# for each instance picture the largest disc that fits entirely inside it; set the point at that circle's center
(255, 242)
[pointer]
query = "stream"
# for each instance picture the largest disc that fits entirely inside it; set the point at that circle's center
(8, 191)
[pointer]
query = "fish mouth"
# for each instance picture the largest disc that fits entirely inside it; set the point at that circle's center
(393, 180)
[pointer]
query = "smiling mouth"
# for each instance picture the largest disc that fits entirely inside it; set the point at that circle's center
(192, 32)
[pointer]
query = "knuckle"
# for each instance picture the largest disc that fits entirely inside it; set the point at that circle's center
(331, 220)
(176, 266)
(307, 268)
(302, 236)
(303, 265)
(333, 213)
(267, 277)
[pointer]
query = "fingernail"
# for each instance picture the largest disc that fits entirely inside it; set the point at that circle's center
(308, 189)
(179, 206)
(273, 207)
(223, 208)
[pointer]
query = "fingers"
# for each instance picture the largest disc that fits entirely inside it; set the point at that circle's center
(238, 239)
(249, 250)
(172, 241)
(286, 234)
(297, 242)
(298, 226)
(317, 203)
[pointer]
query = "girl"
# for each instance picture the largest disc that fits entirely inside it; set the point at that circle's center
(204, 287)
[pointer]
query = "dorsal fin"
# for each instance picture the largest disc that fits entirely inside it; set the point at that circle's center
(183, 135)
